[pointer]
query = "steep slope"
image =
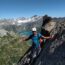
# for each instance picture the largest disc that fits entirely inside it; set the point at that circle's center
(55, 58)
(54, 51)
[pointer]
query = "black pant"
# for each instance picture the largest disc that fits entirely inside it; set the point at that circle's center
(35, 50)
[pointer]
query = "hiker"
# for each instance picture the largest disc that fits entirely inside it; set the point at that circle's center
(35, 41)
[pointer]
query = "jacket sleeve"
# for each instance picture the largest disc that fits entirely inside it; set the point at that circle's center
(29, 37)
(40, 35)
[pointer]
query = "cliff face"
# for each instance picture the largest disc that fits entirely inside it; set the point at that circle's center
(54, 51)
(55, 58)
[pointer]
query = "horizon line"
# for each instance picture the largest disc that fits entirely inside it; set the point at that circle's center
(31, 16)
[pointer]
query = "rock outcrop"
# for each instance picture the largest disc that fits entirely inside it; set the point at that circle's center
(54, 51)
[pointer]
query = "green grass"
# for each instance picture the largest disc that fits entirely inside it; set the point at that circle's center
(11, 49)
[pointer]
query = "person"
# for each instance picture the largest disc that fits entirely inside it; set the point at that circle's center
(35, 37)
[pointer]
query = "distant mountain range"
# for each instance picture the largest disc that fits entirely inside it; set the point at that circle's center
(24, 24)
(20, 24)
(19, 21)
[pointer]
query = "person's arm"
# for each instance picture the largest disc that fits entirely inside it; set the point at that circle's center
(48, 37)
(44, 37)
(25, 39)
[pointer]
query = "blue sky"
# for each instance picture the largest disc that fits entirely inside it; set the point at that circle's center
(28, 8)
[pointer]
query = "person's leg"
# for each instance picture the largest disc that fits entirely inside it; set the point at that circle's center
(33, 53)
(38, 50)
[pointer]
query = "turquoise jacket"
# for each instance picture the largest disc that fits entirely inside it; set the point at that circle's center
(35, 39)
